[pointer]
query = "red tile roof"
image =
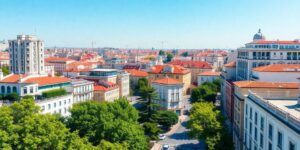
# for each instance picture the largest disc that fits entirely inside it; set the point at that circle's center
(12, 78)
(210, 73)
(137, 73)
(278, 68)
(275, 42)
(167, 80)
(231, 64)
(47, 80)
(258, 84)
(100, 88)
(158, 69)
(57, 59)
(191, 64)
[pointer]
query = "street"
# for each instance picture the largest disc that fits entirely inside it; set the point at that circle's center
(179, 140)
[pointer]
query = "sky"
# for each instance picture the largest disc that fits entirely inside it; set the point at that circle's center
(149, 23)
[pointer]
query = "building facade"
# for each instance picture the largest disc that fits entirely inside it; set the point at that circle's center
(262, 52)
(26, 55)
(170, 94)
(208, 76)
(82, 90)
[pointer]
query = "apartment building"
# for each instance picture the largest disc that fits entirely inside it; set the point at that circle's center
(172, 71)
(261, 52)
(170, 93)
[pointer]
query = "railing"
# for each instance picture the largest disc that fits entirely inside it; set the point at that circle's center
(284, 115)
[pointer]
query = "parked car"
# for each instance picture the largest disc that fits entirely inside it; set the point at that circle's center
(166, 147)
(162, 136)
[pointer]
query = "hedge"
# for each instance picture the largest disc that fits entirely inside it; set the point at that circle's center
(54, 93)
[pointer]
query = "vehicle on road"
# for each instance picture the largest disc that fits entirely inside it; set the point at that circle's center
(166, 147)
(162, 136)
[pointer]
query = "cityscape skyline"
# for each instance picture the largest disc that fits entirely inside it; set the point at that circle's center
(146, 24)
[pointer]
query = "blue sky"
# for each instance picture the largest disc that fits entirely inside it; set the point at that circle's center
(143, 23)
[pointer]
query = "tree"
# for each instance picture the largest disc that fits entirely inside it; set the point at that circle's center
(148, 95)
(162, 53)
(5, 70)
(12, 96)
(142, 82)
(185, 54)
(206, 92)
(151, 130)
(165, 118)
(113, 122)
(23, 127)
(206, 124)
(169, 57)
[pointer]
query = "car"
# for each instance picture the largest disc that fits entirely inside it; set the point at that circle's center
(162, 136)
(166, 147)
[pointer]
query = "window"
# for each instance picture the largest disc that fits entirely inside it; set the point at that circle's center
(31, 89)
(270, 146)
(270, 131)
(65, 101)
(54, 105)
(255, 118)
(255, 134)
(49, 106)
(246, 109)
(291, 146)
(250, 113)
(59, 103)
(261, 123)
(25, 90)
(261, 143)
(43, 108)
(279, 140)
(250, 128)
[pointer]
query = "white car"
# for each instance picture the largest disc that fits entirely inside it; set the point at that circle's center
(162, 136)
(166, 147)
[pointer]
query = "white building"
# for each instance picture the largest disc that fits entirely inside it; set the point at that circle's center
(82, 90)
(271, 123)
(56, 105)
(276, 73)
(208, 76)
(26, 55)
(123, 83)
(170, 93)
(262, 52)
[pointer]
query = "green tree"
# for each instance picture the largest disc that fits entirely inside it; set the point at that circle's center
(23, 127)
(185, 54)
(165, 118)
(148, 95)
(161, 53)
(207, 91)
(12, 96)
(5, 70)
(113, 122)
(206, 123)
(151, 130)
(169, 57)
(142, 82)
(106, 145)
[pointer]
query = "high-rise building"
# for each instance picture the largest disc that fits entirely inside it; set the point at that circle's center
(261, 52)
(26, 55)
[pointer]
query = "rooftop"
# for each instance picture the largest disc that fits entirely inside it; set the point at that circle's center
(104, 70)
(168, 81)
(259, 84)
(190, 63)
(278, 68)
(57, 59)
(137, 73)
(276, 42)
(210, 73)
(174, 69)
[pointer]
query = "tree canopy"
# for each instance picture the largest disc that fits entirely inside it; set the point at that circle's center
(5, 70)
(23, 127)
(108, 123)
(207, 91)
(206, 124)
(161, 53)
(169, 57)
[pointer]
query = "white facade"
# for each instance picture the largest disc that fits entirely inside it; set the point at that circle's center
(276, 76)
(261, 53)
(82, 90)
(112, 95)
(170, 96)
(201, 79)
(124, 83)
(271, 124)
(26, 55)
(56, 105)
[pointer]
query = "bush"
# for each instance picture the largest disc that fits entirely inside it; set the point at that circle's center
(151, 130)
(12, 97)
(165, 118)
(54, 93)
(28, 97)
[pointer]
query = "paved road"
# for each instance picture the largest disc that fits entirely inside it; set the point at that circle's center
(179, 140)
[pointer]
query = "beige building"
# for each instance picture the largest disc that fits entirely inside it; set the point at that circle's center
(241, 89)
(60, 64)
(135, 75)
(195, 67)
(106, 92)
(172, 71)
